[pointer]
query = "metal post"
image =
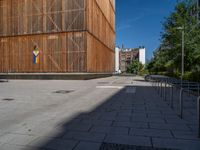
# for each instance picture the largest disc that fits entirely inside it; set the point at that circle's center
(188, 89)
(183, 53)
(181, 103)
(198, 115)
(165, 90)
(172, 96)
(161, 88)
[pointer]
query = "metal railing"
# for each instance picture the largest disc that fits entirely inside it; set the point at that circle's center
(161, 83)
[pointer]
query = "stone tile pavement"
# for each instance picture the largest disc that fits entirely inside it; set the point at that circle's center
(132, 115)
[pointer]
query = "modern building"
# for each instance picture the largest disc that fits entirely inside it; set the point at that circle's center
(117, 70)
(128, 55)
(57, 36)
(142, 55)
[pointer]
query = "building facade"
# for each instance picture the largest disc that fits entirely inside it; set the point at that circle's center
(127, 56)
(117, 70)
(57, 36)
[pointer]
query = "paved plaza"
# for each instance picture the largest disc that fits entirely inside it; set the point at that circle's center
(108, 113)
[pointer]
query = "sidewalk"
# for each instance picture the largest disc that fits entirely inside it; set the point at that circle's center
(134, 117)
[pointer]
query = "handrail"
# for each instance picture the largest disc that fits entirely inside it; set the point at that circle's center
(190, 87)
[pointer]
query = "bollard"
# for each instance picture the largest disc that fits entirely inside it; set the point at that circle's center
(158, 87)
(198, 115)
(181, 103)
(172, 96)
(161, 88)
(188, 89)
(165, 94)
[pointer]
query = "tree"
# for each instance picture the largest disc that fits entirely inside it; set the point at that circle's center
(168, 57)
(135, 67)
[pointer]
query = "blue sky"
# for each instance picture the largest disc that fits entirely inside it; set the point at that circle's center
(139, 22)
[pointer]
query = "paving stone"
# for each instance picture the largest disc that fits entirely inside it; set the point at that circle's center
(153, 112)
(155, 120)
(78, 127)
(108, 118)
(22, 140)
(53, 143)
(14, 147)
(6, 138)
(40, 131)
(169, 126)
(130, 124)
(188, 135)
(85, 136)
(123, 119)
(151, 132)
(176, 144)
(111, 130)
(97, 122)
(130, 140)
(139, 109)
(176, 121)
(124, 111)
(88, 146)
(111, 146)
(125, 114)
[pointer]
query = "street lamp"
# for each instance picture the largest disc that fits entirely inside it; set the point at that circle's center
(183, 49)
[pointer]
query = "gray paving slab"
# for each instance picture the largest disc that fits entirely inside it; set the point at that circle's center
(151, 120)
(130, 124)
(85, 136)
(88, 114)
(78, 127)
(14, 147)
(88, 146)
(182, 127)
(110, 130)
(97, 122)
(53, 143)
(188, 135)
(176, 144)
(151, 132)
(130, 140)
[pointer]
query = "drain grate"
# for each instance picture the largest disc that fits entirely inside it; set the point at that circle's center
(110, 146)
(8, 99)
(63, 91)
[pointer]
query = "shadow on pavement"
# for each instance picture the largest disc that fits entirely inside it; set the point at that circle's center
(134, 116)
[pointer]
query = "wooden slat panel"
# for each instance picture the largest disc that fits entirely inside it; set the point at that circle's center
(41, 16)
(63, 52)
(99, 57)
(71, 35)
(101, 21)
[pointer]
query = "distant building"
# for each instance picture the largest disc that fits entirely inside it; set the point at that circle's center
(117, 70)
(142, 55)
(127, 56)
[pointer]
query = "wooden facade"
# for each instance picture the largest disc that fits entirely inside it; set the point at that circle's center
(71, 36)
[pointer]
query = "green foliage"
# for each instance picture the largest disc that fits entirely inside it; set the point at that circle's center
(167, 58)
(135, 67)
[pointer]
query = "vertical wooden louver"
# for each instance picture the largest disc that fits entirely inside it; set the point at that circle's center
(71, 36)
